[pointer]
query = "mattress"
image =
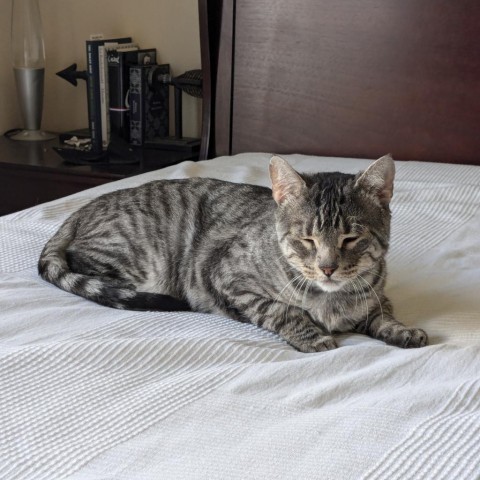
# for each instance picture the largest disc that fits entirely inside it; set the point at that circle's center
(89, 392)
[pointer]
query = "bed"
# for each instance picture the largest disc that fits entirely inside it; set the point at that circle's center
(89, 392)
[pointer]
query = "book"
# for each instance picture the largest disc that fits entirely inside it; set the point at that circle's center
(119, 61)
(103, 52)
(93, 89)
(149, 110)
(104, 117)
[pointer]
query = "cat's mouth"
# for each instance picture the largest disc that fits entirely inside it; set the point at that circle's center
(326, 283)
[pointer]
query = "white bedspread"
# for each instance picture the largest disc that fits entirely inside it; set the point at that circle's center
(88, 392)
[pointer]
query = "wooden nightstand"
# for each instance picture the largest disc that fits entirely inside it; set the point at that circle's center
(33, 173)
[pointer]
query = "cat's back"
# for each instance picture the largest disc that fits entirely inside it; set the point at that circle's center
(186, 192)
(184, 201)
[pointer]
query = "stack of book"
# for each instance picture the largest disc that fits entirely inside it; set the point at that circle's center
(121, 101)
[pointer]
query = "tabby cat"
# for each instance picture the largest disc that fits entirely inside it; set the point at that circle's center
(306, 262)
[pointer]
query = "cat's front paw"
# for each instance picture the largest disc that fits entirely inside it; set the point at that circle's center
(405, 337)
(319, 344)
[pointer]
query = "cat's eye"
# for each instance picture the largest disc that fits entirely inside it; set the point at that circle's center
(308, 242)
(350, 241)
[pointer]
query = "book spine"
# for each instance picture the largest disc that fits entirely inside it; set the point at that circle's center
(117, 100)
(136, 106)
(93, 96)
(93, 75)
(104, 109)
(160, 111)
(148, 106)
(118, 83)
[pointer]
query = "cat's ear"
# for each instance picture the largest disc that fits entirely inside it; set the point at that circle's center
(377, 179)
(286, 182)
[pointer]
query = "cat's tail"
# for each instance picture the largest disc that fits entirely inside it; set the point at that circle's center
(54, 268)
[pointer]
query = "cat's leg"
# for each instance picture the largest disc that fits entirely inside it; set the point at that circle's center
(381, 324)
(291, 323)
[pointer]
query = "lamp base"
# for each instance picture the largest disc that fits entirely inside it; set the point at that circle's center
(33, 135)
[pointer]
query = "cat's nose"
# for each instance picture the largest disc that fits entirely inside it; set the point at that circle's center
(328, 271)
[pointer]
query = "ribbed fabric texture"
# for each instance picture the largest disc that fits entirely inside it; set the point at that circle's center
(444, 446)
(108, 387)
(88, 392)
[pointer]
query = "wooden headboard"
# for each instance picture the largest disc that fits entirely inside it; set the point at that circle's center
(342, 78)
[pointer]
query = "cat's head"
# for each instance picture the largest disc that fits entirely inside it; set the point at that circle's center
(333, 227)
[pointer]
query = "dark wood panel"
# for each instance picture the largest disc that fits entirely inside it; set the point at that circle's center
(23, 188)
(350, 78)
(224, 90)
(210, 12)
(32, 172)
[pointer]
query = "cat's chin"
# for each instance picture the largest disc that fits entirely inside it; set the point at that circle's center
(330, 285)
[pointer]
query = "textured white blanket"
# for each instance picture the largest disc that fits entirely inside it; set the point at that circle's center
(88, 392)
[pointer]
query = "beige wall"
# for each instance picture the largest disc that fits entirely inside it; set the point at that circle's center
(169, 25)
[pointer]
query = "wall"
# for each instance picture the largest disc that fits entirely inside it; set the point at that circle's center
(169, 25)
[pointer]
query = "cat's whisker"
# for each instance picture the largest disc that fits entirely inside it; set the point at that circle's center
(344, 312)
(301, 286)
(305, 293)
(280, 257)
(371, 272)
(356, 292)
(363, 296)
(375, 293)
(287, 285)
(297, 287)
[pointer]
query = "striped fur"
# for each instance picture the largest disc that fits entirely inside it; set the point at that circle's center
(306, 263)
